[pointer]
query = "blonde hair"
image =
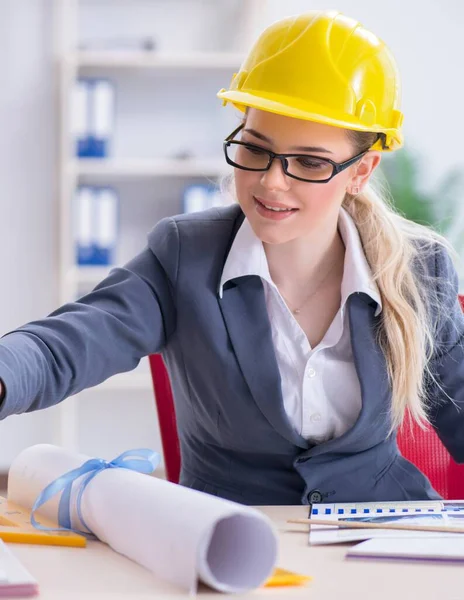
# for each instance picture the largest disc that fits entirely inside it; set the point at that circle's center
(397, 251)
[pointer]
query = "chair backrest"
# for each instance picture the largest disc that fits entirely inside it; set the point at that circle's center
(166, 417)
(423, 448)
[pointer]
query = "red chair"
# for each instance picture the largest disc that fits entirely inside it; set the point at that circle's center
(166, 417)
(423, 448)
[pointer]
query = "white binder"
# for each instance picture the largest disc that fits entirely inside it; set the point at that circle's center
(106, 220)
(102, 116)
(93, 117)
(80, 116)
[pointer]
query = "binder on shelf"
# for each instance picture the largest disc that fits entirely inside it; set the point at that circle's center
(103, 99)
(84, 225)
(92, 118)
(80, 117)
(96, 230)
(199, 197)
(106, 225)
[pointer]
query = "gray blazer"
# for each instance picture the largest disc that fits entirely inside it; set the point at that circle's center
(236, 440)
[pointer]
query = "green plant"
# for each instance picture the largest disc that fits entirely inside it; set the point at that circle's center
(441, 207)
(437, 207)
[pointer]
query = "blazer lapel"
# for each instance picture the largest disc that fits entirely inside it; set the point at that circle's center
(244, 310)
(373, 422)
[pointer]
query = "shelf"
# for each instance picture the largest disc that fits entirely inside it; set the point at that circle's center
(147, 60)
(130, 168)
(151, 71)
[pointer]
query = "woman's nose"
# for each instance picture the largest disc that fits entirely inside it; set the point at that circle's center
(275, 178)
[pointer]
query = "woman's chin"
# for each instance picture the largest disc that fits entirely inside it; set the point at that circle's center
(270, 231)
(272, 237)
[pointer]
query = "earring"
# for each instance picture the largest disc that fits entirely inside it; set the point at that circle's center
(355, 191)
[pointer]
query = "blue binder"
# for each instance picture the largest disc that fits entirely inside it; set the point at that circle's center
(92, 117)
(96, 225)
(106, 220)
(83, 225)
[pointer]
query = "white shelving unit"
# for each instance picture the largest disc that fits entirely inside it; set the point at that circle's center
(139, 60)
(126, 170)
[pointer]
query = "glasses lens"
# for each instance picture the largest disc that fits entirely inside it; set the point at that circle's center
(309, 167)
(247, 156)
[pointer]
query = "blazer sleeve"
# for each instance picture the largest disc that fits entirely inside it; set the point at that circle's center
(447, 409)
(130, 314)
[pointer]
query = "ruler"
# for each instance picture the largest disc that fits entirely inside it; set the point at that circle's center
(16, 527)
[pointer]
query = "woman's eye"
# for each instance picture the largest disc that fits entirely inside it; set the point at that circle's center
(311, 163)
(255, 151)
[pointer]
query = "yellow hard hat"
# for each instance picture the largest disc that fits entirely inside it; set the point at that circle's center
(322, 66)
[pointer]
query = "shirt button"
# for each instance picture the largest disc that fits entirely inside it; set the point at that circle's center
(315, 417)
(310, 372)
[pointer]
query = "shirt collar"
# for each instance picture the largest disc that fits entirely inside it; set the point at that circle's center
(247, 257)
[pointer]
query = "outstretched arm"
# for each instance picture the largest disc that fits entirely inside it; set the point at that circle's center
(127, 316)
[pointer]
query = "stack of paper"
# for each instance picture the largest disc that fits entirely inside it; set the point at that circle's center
(394, 544)
(412, 548)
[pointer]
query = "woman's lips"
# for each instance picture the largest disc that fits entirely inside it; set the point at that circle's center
(274, 215)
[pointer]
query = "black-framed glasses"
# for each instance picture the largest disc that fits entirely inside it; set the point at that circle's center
(304, 167)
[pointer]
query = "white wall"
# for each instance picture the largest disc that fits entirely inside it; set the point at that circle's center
(425, 36)
(28, 241)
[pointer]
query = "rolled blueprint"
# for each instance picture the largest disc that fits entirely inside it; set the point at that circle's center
(180, 534)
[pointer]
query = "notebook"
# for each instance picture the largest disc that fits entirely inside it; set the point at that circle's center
(15, 580)
(429, 549)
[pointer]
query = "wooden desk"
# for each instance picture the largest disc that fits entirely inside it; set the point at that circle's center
(99, 573)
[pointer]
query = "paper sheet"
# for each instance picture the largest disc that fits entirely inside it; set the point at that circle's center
(15, 580)
(180, 534)
(411, 548)
(437, 512)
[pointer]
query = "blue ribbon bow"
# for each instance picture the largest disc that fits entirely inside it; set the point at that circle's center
(141, 460)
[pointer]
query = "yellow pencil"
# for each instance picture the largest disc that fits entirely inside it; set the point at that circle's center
(16, 528)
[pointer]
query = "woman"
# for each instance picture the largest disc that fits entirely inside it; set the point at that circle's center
(299, 325)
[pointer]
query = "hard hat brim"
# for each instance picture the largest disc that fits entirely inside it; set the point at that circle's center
(243, 100)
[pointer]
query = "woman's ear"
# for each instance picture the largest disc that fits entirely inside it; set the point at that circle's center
(363, 171)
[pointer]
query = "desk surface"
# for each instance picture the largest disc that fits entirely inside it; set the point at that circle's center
(97, 572)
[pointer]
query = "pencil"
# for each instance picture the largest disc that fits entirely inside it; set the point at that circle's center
(393, 526)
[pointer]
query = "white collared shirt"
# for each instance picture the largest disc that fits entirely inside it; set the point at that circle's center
(320, 386)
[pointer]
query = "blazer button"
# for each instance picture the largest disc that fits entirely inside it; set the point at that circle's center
(315, 497)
